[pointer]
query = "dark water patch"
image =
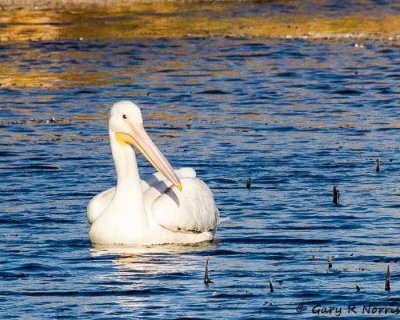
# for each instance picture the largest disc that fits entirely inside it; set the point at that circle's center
(36, 267)
(269, 240)
(35, 167)
(236, 296)
(173, 276)
(9, 276)
(69, 243)
(103, 293)
(51, 220)
(168, 70)
(256, 45)
(286, 75)
(212, 92)
(86, 91)
(4, 153)
(326, 87)
(246, 56)
(395, 76)
(347, 92)
(180, 97)
(384, 90)
(222, 252)
(388, 129)
(394, 206)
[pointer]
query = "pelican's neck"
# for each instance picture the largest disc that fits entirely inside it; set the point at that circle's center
(128, 193)
(124, 161)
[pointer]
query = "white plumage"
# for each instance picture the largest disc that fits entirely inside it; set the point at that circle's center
(169, 207)
(189, 211)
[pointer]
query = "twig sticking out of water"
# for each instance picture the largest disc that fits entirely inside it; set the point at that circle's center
(358, 288)
(377, 165)
(271, 287)
(248, 183)
(336, 195)
(207, 279)
(329, 263)
(387, 279)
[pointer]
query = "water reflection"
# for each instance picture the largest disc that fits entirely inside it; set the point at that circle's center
(153, 260)
(142, 274)
(48, 21)
(98, 250)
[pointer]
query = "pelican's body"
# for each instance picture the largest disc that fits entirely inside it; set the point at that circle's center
(170, 207)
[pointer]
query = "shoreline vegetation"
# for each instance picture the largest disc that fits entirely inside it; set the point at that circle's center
(63, 20)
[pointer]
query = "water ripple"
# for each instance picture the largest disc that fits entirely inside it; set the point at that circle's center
(298, 117)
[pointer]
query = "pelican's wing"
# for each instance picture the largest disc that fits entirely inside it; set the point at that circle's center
(98, 204)
(190, 210)
(101, 201)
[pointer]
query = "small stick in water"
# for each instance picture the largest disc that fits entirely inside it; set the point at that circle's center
(329, 263)
(207, 279)
(271, 287)
(336, 195)
(358, 288)
(248, 183)
(387, 279)
(377, 165)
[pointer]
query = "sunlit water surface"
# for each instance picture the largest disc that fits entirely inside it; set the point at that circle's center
(298, 117)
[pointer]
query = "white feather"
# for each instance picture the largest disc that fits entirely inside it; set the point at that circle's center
(98, 204)
(194, 210)
(191, 210)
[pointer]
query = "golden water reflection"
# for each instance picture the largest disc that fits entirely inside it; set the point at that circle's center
(104, 20)
(27, 27)
(147, 259)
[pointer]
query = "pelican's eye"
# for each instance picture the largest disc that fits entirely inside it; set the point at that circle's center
(124, 116)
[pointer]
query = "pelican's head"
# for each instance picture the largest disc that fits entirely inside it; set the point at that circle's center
(126, 124)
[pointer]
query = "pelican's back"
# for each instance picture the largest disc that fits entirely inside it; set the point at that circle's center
(191, 210)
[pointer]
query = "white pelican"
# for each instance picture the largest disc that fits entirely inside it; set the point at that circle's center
(170, 207)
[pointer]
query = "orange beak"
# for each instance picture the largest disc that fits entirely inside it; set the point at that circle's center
(139, 138)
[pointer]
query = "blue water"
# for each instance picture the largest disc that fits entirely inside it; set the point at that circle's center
(298, 117)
